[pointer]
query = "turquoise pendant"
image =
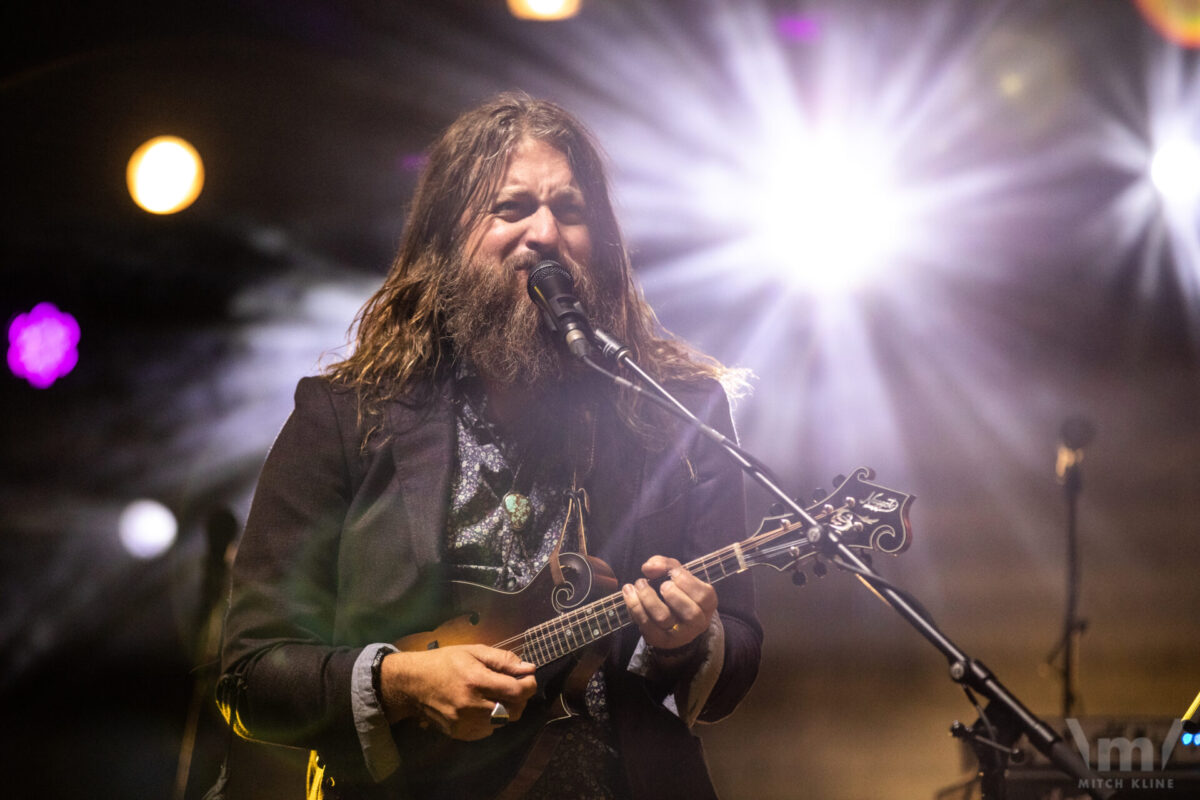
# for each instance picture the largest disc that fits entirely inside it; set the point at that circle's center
(519, 510)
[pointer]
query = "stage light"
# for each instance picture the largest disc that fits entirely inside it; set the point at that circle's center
(165, 175)
(798, 27)
(1011, 84)
(1175, 171)
(42, 345)
(147, 528)
(825, 213)
(934, 180)
(544, 10)
(1152, 223)
(1177, 20)
(413, 162)
(1188, 738)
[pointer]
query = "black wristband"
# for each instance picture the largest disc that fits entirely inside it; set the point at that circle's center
(668, 653)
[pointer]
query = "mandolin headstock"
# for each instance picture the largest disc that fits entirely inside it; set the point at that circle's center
(866, 515)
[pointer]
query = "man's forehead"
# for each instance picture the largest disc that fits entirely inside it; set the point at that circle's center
(535, 161)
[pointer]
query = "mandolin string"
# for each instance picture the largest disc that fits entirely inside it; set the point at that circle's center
(556, 635)
(706, 563)
(556, 638)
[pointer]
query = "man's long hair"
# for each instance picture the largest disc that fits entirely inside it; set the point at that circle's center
(401, 344)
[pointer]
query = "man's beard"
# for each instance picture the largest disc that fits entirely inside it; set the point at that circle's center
(500, 331)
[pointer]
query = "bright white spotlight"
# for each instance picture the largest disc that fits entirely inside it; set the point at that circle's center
(165, 175)
(147, 528)
(826, 214)
(1175, 171)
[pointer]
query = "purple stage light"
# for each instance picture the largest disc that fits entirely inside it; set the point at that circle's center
(413, 162)
(798, 28)
(41, 345)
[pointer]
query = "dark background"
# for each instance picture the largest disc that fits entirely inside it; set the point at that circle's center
(1045, 280)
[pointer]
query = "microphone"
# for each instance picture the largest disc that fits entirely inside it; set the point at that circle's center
(552, 288)
(1076, 434)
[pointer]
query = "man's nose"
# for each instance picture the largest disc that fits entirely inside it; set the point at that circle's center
(542, 236)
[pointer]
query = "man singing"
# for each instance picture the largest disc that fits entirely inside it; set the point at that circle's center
(461, 442)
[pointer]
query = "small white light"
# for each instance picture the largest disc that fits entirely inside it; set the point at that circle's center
(147, 528)
(1012, 84)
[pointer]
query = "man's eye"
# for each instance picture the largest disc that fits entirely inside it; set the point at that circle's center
(572, 213)
(507, 208)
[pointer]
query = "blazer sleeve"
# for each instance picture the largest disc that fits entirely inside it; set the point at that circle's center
(283, 680)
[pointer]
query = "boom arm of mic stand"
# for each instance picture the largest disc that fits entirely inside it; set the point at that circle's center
(758, 471)
(964, 670)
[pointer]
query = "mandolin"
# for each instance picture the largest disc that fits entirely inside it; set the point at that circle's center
(561, 629)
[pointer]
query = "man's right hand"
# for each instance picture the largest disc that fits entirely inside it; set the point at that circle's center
(456, 688)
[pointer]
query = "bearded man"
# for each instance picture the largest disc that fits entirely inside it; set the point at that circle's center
(460, 443)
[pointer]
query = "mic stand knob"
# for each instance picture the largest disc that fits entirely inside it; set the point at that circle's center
(824, 538)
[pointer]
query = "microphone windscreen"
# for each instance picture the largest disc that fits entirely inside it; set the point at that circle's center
(547, 279)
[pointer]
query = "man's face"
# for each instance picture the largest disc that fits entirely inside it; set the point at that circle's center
(537, 213)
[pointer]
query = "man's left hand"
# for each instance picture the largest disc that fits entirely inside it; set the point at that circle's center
(678, 612)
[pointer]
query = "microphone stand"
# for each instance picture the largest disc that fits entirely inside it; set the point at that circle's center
(1076, 433)
(1005, 717)
(1073, 626)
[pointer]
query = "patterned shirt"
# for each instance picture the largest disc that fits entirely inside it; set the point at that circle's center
(485, 546)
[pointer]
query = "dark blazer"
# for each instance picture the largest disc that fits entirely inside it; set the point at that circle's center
(343, 548)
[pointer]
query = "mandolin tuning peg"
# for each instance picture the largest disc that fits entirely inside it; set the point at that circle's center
(799, 578)
(839, 479)
(819, 569)
(818, 494)
(776, 509)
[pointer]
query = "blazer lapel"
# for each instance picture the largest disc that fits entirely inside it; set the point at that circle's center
(423, 442)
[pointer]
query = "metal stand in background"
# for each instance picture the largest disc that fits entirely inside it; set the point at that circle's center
(1076, 434)
(220, 530)
(1003, 721)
